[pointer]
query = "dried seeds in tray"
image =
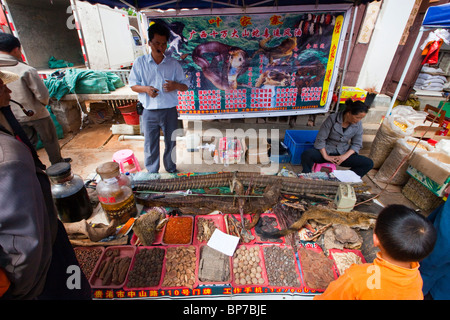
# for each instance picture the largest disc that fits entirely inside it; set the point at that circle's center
(242, 267)
(89, 263)
(275, 269)
(97, 279)
(178, 230)
(199, 266)
(218, 221)
(174, 270)
(147, 268)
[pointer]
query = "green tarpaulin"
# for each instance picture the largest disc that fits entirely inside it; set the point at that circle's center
(83, 82)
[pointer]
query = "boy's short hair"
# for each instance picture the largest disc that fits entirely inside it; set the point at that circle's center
(158, 28)
(8, 42)
(405, 234)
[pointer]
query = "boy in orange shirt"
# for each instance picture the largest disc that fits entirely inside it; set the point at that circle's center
(404, 237)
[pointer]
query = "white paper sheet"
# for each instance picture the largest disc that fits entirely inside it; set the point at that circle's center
(223, 242)
(346, 176)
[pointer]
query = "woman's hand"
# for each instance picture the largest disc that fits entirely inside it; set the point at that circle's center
(339, 159)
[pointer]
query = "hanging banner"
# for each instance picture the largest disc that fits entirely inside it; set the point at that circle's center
(256, 64)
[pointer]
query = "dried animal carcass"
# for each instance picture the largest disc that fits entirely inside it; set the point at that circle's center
(146, 226)
(256, 180)
(325, 216)
(204, 204)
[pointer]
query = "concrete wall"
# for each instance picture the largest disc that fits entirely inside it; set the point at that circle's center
(389, 28)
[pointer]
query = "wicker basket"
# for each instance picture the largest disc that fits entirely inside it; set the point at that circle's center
(418, 194)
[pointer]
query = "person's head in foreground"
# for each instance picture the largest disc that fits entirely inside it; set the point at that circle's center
(403, 235)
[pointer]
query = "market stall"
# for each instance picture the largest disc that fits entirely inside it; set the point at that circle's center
(196, 236)
(254, 58)
(425, 165)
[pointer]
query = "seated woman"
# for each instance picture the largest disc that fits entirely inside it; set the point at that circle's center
(339, 141)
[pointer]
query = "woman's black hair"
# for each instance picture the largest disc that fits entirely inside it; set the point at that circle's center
(157, 28)
(355, 107)
(405, 234)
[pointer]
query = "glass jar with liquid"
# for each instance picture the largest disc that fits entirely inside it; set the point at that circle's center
(115, 194)
(69, 193)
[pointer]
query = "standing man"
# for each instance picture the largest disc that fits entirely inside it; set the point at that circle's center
(157, 78)
(31, 92)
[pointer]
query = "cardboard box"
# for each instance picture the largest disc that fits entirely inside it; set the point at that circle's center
(430, 132)
(434, 165)
(257, 151)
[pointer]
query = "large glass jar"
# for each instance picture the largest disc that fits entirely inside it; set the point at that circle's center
(69, 193)
(115, 193)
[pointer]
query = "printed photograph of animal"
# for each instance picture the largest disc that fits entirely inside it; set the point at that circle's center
(284, 50)
(273, 77)
(221, 64)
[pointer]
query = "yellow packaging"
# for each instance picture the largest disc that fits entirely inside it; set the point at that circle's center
(354, 93)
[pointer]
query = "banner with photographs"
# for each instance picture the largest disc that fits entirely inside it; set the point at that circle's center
(259, 64)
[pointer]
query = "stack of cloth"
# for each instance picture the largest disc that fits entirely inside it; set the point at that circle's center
(432, 79)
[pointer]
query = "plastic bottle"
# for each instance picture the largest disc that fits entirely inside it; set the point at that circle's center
(115, 193)
(69, 193)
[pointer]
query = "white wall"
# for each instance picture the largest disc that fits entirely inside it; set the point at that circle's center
(391, 22)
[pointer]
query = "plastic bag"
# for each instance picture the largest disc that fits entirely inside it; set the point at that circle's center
(393, 128)
(408, 113)
(443, 146)
(402, 148)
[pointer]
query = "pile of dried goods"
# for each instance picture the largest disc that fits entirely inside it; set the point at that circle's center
(113, 269)
(345, 259)
(178, 230)
(247, 266)
(147, 267)
(205, 229)
(280, 266)
(180, 267)
(267, 224)
(317, 269)
(87, 258)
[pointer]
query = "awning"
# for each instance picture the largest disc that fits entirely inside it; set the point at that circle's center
(437, 17)
(206, 4)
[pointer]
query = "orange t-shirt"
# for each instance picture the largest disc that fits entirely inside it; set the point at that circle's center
(380, 280)
(4, 282)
